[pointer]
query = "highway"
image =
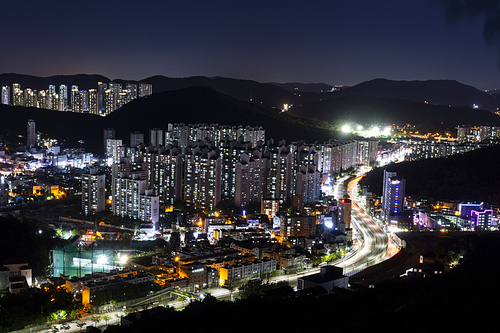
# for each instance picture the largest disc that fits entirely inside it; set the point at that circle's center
(374, 246)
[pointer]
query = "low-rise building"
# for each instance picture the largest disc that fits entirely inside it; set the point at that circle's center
(328, 278)
(231, 274)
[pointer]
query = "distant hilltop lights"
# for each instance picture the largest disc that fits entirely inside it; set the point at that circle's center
(373, 131)
(107, 98)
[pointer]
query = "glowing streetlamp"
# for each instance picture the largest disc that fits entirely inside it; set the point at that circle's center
(177, 259)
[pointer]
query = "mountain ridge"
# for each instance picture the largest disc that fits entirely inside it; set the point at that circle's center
(439, 92)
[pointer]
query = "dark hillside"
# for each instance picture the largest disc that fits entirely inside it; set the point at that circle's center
(372, 110)
(205, 105)
(67, 127)
(471, 176)
(191, 105)
(245, 90)
(439, 92)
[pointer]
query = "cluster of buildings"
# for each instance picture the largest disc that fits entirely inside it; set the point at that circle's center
(457, 216)
(401, 213)
(43, 153)
(474, 134)
(103, 100)
(419, 150)
(203, 164)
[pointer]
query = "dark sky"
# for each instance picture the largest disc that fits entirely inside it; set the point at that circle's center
(335, 41)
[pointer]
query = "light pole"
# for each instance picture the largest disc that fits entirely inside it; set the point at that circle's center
(177, 259)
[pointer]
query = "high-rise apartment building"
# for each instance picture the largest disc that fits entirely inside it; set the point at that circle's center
(43, 99)
(84, 100)
(101, 90)
(94, 107)
(55, 102)
(17, 95)
(250, 181)
(345, 206)
(52, 105)
(109, 133)
(93, 192)
(116, 87)
(136, 139)
(202, 182)
(114, 151)
(31, 134)
(19, 98)
(63, 97)
(6, 95)
(308, 183)
(393, 194)
(145, 89)
(122, 99)
(110, 98)
(131, 196)
(156, 136)
(30, 98)
(76, 100)
(132, 89)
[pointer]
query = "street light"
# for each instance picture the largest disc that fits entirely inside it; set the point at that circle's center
(177, 259)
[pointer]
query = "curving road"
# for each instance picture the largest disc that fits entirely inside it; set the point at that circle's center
(374, 245)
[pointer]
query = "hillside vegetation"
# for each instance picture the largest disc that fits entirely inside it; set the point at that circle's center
(470, 176)
(191, 105)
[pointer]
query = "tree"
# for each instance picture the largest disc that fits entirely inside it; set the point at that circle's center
(96, 319)
(106, 318)
(62, 314)
(58, 232)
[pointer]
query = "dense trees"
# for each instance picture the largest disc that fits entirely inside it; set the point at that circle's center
(28, 240)
(35, 306)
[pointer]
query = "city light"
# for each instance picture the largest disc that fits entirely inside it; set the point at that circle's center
(372, 131)
(102, 260)
(122, 258)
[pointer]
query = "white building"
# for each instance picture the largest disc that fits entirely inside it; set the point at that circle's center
(93, 192)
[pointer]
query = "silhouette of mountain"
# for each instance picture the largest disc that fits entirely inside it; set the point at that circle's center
(372, 110)
(190, 106)
(83, 81)
(264, 94)
(439, 92)
(304, 87)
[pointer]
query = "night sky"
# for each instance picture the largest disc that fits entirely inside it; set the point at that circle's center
(335, 42)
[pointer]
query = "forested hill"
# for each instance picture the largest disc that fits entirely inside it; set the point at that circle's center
(206, 105)
(190, 106)
(373, 110)
(470, 176)
(438, 92)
